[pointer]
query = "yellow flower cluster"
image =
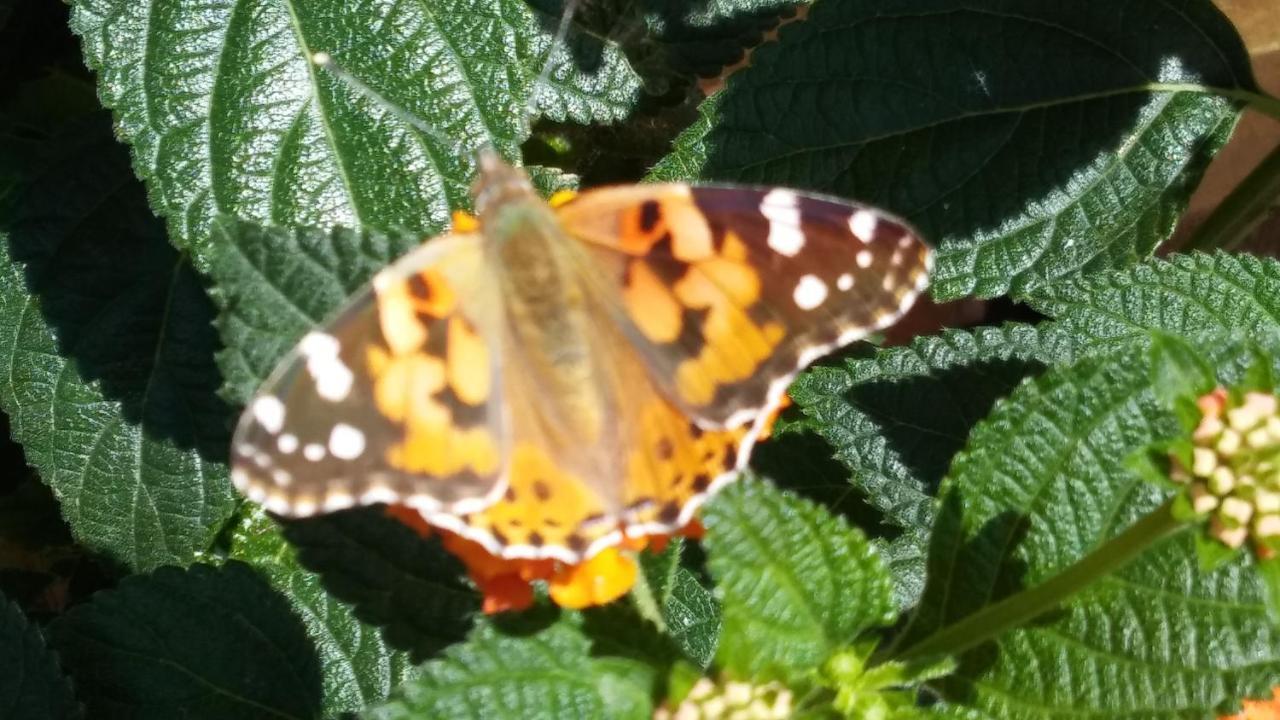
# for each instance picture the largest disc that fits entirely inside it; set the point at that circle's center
(1235, 467)
(731, 700)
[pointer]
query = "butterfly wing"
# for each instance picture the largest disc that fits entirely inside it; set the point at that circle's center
(397, 399)
(703, 304)
(727, 292)
(646, 474)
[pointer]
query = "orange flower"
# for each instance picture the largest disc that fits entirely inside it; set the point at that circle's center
(1259, 709)
(507, 584)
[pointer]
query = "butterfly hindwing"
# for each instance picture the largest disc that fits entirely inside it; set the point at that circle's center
(397, 399)
(726, 292)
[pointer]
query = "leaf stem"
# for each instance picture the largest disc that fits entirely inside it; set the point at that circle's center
(1019, 609)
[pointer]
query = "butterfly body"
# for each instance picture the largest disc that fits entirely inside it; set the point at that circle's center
(557, 378)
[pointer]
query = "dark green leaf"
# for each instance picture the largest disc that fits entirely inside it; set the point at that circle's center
(31, 683)
(110, 384)
(796, 583)
(1030, 141)
(689, 611)
(896, 419)
(524, 672)
(409, 587)
(226, 114)
(358, 665)
(203, 642)
(1042, 483)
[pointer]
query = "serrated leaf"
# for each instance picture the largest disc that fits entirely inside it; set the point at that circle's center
(411, 588)
(108, 355)
(1184, 294)
(883, 418)
(358, 665)
(1030, 141)
(226, 114)
(202, 642)
(795, 582)
(539, 672)
(31, 683)
(1042, 483)
(689, 611)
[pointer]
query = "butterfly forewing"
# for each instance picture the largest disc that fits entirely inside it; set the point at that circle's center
(397, 399)
(726, 292)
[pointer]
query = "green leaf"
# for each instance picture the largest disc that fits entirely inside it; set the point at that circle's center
(108, 354)
(1184, 294)
(358, 665)
(31, 683)
(202, 642)
(1179, 375)
(688, 610)
(795, 582)
(1042, 483)
(411, 588)
(1269, 572)
(525, 672)
(226, 114)
(883, 418)
(273, 284)
(1030, 141)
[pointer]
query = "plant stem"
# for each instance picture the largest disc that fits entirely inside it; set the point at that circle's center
(1240, 212)
(1016, 610)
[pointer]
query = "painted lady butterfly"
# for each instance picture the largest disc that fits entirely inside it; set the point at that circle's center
(549, 379)
(561, 374)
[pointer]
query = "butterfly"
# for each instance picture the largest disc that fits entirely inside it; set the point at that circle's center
(550, 378)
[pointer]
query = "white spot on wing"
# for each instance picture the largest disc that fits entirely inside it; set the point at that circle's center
(346, 442)
(782, 208)
(864, 259)
(269, 412)
(810, 292)
(287, 443)
(282, 477)
(845, 282)
(332, 377)
(863, 225)
(313, 452)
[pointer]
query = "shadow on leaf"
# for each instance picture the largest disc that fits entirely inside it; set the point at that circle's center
(123, 304)
(408, 586)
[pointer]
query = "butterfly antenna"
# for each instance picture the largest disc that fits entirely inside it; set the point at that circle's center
(562, 32)
(325, 61)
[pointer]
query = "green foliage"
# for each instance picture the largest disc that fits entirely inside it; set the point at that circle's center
(526, 672)
(31, 683)
(1075, 158)
(108, 352)
(797, 583)
(1041, 484)
(202, 642)
(915, 494)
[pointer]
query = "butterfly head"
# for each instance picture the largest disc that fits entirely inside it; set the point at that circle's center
(498, 184)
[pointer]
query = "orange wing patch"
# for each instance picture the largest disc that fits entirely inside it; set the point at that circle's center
(544, 506)
(673, 463)
(433, 380)
(764, 281)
